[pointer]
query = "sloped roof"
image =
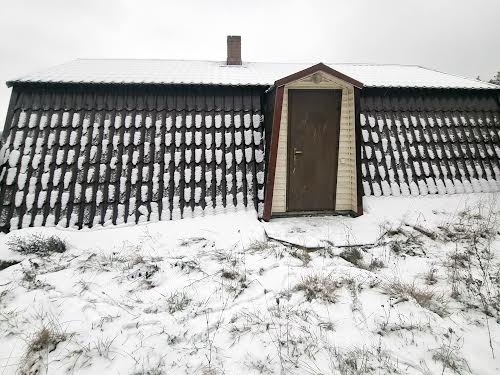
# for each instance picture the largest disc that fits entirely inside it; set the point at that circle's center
(135, 71)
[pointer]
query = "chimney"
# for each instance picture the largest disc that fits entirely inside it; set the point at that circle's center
(233, 50)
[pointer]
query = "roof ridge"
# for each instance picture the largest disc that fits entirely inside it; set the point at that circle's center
(141, 59)
(248, 62)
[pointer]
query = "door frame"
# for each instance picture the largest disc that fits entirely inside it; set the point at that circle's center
(289, 151)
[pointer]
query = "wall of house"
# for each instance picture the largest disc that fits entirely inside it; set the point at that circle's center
(81, 156)
(346, 198)
(429, 141)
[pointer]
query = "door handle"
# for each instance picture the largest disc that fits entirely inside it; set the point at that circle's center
(295, 153)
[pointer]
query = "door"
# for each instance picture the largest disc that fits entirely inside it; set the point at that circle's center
(313, 139)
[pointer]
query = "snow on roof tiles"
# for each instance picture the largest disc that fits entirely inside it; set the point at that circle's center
(83, 156)
(69, 169)
(411, 146)
(250, 73)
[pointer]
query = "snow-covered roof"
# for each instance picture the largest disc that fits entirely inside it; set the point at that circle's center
(250, 73)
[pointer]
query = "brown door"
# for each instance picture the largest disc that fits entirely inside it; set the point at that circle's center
(313, 139)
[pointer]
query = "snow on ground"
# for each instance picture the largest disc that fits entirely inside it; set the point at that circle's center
(411, 287)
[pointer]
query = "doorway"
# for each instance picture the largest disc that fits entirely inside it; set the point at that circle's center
(313, 143)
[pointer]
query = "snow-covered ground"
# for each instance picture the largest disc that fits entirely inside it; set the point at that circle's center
(411, 287)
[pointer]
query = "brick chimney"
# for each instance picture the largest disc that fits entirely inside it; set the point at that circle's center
(233, 50)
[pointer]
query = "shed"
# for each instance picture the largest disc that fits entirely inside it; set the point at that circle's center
(102, 142)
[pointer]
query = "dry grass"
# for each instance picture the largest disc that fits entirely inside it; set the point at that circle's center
(427, 299)
(430, 276)
(187, 265)
(236, 281)
(177, 301)
(301, 254)
(450, 360)
(473, 267)
(40, 343)
(157, 369)
(403, 239)
(129, 266)
(30, 277)
(352, 255)
(192, 241)
(230, 274)
(103, 346)
(362, 361)
(375, 264)
(321, 287)
(45, 339)
(258, 246)
(355, 361)
(448, 354)
(260, 366)
(37, 244)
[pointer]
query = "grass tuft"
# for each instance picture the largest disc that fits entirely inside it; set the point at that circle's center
(319, 287)
(37, 244)
(45, 339)
(376, 264)
(258, 246)
(353, 255)
(177, 301)
(426, 298)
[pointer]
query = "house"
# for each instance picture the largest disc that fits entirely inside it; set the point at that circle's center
(99, 142)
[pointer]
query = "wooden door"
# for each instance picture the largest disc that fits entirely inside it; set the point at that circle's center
(313, 139)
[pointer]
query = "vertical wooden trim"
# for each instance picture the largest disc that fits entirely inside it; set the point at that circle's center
(338, 100)
(289, 156)
(273, 153)
(357, 132)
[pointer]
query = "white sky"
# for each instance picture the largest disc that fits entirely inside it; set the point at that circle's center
(455, 36)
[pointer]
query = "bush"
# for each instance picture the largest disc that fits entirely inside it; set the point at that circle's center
(37, 244)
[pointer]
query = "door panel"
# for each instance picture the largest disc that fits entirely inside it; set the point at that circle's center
(313, 138)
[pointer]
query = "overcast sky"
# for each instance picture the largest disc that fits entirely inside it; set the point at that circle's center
(455, 36)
